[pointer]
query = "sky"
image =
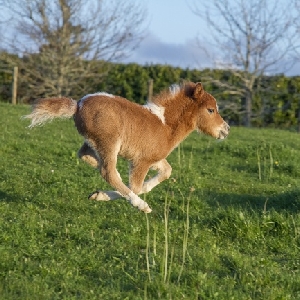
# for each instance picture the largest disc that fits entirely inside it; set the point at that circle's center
(172, 36)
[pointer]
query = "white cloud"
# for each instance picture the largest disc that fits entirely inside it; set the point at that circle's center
(154, 51)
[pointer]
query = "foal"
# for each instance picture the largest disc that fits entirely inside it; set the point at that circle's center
(144, 135)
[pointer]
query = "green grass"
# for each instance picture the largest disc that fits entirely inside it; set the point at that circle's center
(225, 226)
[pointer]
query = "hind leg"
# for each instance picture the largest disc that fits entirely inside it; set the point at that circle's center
(88, 155)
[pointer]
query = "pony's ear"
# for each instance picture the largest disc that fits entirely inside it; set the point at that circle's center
(198, 91)
(193, 90)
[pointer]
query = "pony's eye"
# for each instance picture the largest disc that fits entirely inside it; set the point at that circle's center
(210, 110)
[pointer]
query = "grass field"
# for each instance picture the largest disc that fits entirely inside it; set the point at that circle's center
(225, 226)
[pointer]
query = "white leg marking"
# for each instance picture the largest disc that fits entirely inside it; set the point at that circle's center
(136, 201)
(164, 172)
(150, 184)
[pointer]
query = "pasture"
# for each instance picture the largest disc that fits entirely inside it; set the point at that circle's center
(226, 225)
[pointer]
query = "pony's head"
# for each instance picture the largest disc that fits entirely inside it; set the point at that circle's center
(209, 120)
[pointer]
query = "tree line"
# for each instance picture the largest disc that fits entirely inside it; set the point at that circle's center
(275, 102)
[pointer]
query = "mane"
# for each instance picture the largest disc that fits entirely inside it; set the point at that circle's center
(169, 94)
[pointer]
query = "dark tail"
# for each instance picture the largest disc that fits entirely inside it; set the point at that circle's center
(47, 109)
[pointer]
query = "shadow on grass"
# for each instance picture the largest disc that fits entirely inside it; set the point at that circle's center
(5, 197)
(288, 201)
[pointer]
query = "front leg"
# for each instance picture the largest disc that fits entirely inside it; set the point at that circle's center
(164, 172)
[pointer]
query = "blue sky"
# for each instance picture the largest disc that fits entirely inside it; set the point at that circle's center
(172, 20)
(172, 36)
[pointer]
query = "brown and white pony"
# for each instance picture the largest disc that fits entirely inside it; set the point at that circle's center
(143, 134)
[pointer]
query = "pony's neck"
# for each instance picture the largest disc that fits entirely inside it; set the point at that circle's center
(180, 117)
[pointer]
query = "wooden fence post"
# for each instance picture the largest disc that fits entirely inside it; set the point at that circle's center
(14, 86)
(150, 89)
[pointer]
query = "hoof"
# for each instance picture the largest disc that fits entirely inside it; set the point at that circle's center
(147, 210)
(99, 196)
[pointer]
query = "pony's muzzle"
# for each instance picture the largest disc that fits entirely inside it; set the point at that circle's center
(224, 131)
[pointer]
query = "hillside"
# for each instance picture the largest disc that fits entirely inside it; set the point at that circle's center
(225, 226)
